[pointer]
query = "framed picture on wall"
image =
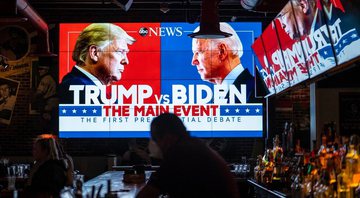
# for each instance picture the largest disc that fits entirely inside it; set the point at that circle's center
(349, 108)
(43, 85)
(8, 94)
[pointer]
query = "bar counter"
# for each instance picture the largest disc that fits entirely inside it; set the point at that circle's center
(129, 190)
(118, 186)
(265, 192)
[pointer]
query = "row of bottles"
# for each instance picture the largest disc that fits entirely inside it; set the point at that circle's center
(269, 167)
(349, 178)
(331, 171)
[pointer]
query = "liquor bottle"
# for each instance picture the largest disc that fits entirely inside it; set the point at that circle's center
(352, 165)
(284, 138)
(278, 155)
(322, 152)
(290, 137)
(323, 190)
(343, 184)
(78, 188)
(349, 160)
(330, 165)
(343, 150)
(267, 173)
(258, 168)
(308, 182)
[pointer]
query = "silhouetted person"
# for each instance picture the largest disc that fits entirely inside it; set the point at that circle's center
(49, 175)
(189, 168)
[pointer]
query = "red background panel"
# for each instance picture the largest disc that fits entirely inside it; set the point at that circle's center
(144, 56)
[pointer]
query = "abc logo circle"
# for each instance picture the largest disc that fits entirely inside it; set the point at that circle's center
(143, 31)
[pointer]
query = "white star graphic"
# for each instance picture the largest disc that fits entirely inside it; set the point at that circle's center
(247, 110)
(257, 110)
(344, 41)
(84, 110)
(237, 110)
(227, 110)
(339, 45)
(74, 110)
(325, 52)
(64, 111)
(94, 110)
(353, 35)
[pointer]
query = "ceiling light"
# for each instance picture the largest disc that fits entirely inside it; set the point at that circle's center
(249, 4)
(124, 4)
(164, 7)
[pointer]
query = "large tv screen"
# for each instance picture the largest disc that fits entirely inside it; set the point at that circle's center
(166, 72)
(308, 38)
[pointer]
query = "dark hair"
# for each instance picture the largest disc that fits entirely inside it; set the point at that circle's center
(49, 143)
(167, 124)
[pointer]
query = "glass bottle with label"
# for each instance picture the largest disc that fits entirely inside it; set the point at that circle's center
(352, 165)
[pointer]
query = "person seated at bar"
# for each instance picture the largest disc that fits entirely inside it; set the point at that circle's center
(189, 168)
(48, 176)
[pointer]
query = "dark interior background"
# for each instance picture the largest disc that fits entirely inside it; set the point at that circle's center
(16, 139)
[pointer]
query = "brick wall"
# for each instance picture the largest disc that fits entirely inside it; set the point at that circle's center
(16, 138)
(293, 106)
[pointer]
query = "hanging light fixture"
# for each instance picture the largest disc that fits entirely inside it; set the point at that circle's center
(124, 4)
(164, 7)
(249, 4)
(209, 21)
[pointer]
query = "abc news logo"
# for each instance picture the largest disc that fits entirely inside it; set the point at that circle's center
(143, 31)
(161, 31)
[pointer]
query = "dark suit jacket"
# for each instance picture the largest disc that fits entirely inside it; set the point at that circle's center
(74, 77)
(246, 78)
